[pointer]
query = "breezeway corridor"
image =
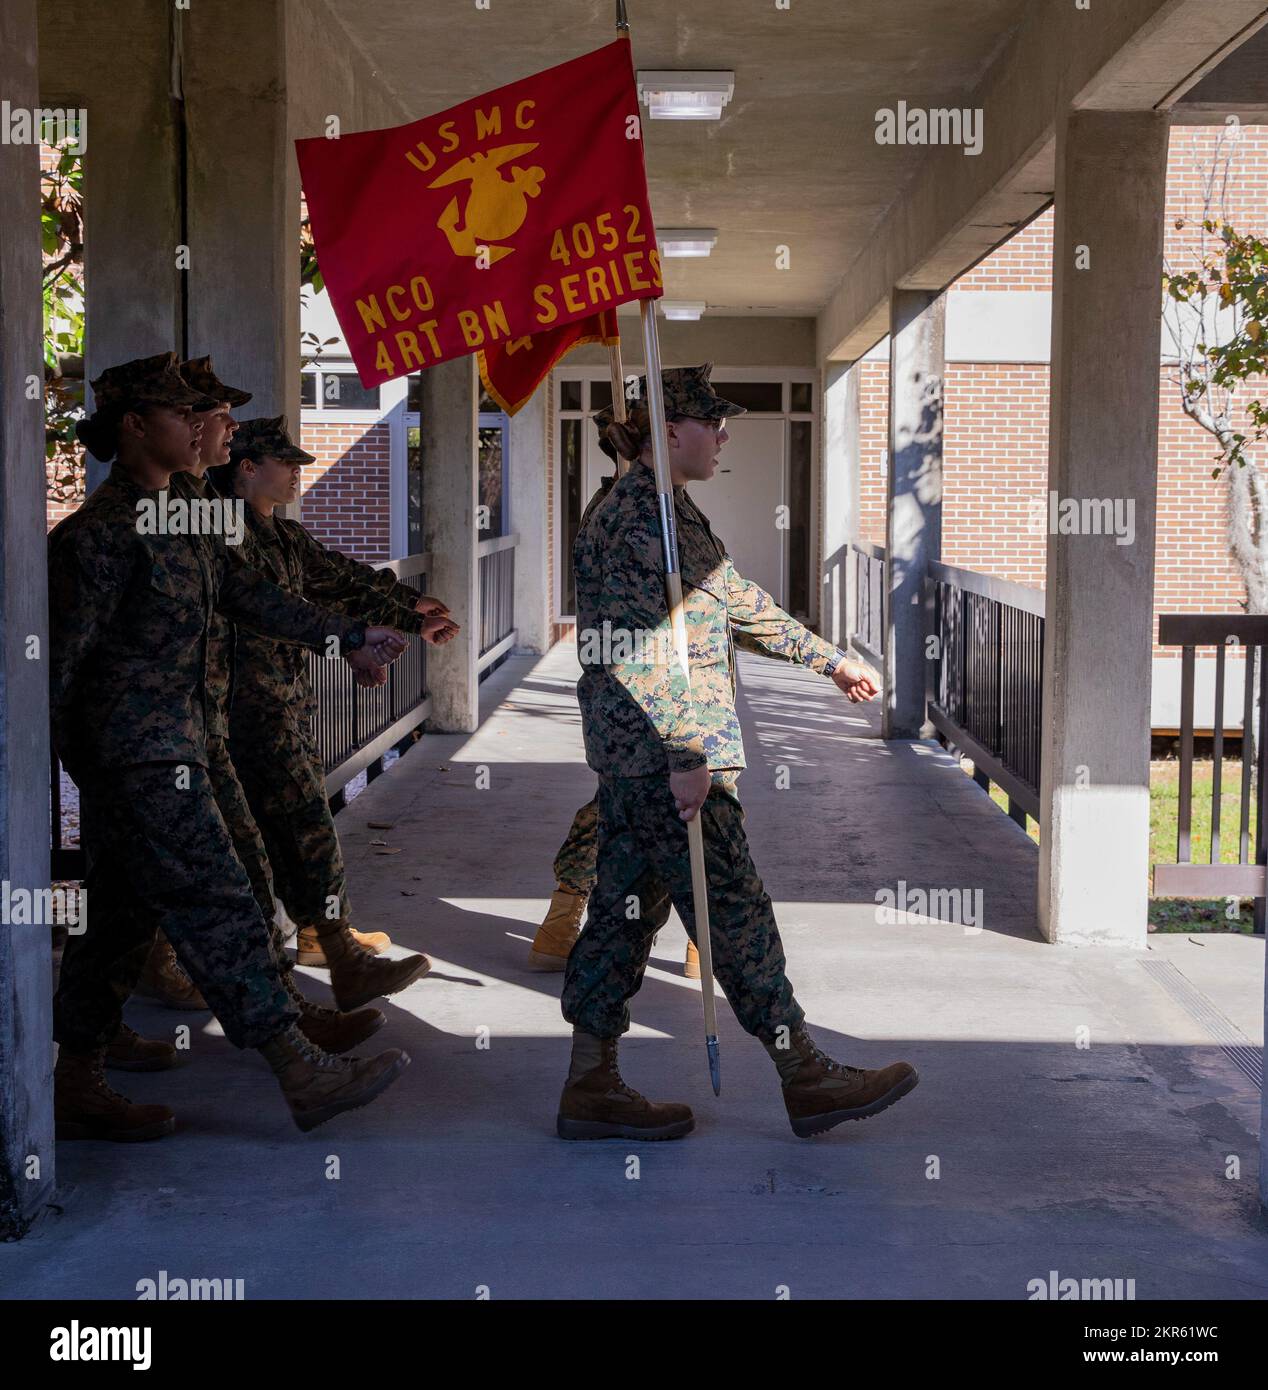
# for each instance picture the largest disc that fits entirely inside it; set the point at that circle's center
(1020, 1153)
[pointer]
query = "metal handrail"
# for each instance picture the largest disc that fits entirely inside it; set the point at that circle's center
(495, 566)
(493, 544)
(867, 626)
(407, 566)
(1023, 597)
(985, 688)
(1249, 633)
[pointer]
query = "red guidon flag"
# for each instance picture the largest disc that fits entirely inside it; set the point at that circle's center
(511, 371)
(502, 226)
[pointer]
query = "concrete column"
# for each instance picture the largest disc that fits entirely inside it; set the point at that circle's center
(913, 528)
(243, 201)
(26, 1028)
(840, 501)
(450, 445)
(528, 474)
(1103, 444)
(132, 203)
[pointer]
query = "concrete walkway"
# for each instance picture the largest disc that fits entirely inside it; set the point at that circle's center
(1078, 1111)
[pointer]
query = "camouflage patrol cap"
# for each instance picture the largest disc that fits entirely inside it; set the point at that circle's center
(687, 392)
(146, 381)
(266, 437)
(199, 373)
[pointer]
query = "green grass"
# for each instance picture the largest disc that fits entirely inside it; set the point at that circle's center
(1186, 914)
(1197, 914)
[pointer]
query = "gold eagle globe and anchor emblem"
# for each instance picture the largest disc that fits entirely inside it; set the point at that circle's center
(496, 204)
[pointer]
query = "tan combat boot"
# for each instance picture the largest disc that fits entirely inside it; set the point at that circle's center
(558, 934)
(820, 1093)
(129, 1051)
(308, 945)
(164, 980)
(357, 975)
(318, 1086)
(85, 1107)
(691, 963)
(329, 1029)
(597, 1104)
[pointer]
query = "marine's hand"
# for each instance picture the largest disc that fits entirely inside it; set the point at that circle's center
(439, 630)
(427, 605)
(857, 681)
(690, 790)
(376, 675)
(382, 646)
(385, 643)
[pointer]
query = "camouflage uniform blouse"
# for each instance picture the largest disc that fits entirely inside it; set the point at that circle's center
(130, 623)
(637, 710)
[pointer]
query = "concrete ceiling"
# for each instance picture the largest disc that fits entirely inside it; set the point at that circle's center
(793, 161)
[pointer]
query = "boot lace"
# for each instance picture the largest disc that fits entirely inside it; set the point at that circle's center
(171, 964)
(307, 1007)
(324, 1061)
(97, 1080)
(619, 1085)
(833, 1067)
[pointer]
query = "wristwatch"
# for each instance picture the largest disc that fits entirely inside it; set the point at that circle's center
(835, 661)
(354, 640)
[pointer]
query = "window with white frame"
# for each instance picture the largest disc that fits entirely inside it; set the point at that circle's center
(336, 386)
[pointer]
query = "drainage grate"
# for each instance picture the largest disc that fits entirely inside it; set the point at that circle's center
(1244, 1055)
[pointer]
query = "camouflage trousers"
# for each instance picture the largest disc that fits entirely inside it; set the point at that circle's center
(575, 862)
(644, 869)
(281, 772)
(248, 844)
(163, 859)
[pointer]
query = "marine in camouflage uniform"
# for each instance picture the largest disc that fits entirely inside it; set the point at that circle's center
(272, 705)
(329, 1029)
(130, 607)
(643, 720)
(162, 980)
(199, 373)
(575, 865)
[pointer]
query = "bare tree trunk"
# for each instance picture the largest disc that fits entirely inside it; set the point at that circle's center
(1247, 499)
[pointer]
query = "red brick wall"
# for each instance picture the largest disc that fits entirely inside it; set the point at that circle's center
(995, 456)
(995, 460)
(1024, 262)
(1244, 200)
(996, 441)
(346, 495)
(1193, 571)
(58, 511)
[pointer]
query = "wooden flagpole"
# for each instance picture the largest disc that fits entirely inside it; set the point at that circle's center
(618, 392)
(673, 591)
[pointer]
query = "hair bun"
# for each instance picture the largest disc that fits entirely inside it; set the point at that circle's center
(627, 442)
(98, 437)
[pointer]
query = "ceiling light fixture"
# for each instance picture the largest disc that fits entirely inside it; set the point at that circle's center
(687, 310)
(685, 96)
(686, 241)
